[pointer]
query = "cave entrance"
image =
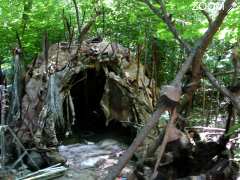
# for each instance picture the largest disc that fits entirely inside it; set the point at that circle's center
(90, 120)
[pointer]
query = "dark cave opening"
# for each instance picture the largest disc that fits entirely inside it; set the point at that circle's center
(86, 97)
(90, 120)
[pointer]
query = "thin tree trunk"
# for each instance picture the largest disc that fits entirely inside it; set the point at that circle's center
(138, 57)
(45, 47)
(235, 62)
(25, 17)
(78, 19)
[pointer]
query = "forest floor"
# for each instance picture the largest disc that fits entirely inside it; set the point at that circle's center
(90, 154)
(89, 159)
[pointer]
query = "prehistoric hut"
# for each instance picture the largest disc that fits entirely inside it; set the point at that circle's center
(83, 85)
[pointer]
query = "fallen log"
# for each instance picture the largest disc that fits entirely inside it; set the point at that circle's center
(206, 128)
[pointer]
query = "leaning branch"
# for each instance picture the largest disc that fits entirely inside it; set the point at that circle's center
(201, 46)
(222, 89)
(162, 13)
(87, 27)
(151, 123)
(205, 13)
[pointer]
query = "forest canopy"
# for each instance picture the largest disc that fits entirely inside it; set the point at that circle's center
(129, 22)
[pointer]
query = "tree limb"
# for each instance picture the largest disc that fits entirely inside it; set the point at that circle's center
(87, 27)
(201, 46)
(162, 13)
(205, 13)
(77, 17)
(151, 123)
(222, 89)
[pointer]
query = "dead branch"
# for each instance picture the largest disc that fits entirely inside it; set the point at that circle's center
(201, 46)
(72, 109)
(87, 27)
(164, 142)
(45, 50)
(205, 13)
(16, 91)
(162, 13)
(78, 18)
(151, 123)
(222, 89)
(202, 128)
(3, 103)
(223, 73)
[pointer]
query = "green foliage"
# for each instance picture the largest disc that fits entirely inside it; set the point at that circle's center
(129, 22)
